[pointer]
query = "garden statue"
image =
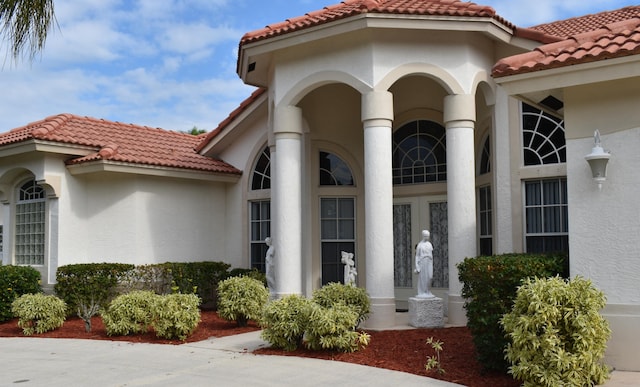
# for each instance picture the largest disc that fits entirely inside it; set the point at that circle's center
(269, 266)
(424, 265)
(349, 268)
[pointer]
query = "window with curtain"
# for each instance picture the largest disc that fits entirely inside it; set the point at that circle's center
(30, 224)
(419, 153)
(546, 216)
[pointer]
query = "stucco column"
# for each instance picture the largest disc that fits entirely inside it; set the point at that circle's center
(459, 118)
(286, 201)
(377, 118)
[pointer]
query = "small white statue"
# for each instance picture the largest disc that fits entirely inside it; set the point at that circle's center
(349, 268)
(270, 266)
(424, 265)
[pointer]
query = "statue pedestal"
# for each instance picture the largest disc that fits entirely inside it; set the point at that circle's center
(426, 312)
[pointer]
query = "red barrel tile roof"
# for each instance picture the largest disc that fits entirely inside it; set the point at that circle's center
(606, 35)
(348, 8)
(118, 142)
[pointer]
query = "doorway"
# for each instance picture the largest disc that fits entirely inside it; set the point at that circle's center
(411, 215)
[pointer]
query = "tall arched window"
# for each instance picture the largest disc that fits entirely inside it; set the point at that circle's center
(485, 211)
(419, 153)
(485, 157)
(543, 139)
(260, 211)
(337, 217)
(29, 224)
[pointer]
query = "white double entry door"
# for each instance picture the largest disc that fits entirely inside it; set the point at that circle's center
(411, 215)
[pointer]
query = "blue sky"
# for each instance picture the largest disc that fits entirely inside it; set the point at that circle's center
(171, 63)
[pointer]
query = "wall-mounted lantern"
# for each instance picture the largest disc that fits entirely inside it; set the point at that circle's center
(598, 159)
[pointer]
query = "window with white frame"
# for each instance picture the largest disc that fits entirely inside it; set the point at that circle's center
(30, 224)
(546, 216)
(543, 138)
(337, 234)
(260, 210)
(485, 211)
(485, 220)
(337, 217)
(419, 153)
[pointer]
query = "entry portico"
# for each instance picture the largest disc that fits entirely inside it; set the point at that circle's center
(322, 88)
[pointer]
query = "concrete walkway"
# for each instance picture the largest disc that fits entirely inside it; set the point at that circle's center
(219, 361)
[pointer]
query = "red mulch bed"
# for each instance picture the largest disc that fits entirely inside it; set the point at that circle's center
(400, 350)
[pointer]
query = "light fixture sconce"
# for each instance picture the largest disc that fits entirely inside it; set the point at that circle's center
(598, 159)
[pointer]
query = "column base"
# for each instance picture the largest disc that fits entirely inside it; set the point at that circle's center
(383, 314)
(457, 316)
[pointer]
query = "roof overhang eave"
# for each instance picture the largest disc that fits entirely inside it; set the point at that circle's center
(35, 145)
(104, 166)
(251, 54)
(571, 75)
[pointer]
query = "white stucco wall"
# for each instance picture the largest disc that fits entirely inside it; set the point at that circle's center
(605, 225)
(141, 219)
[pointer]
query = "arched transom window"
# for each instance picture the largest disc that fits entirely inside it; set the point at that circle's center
(419, 153)
(334, 171)
(543, 139)
(261, 178)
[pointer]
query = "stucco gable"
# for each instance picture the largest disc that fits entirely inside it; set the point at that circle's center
(110, 141)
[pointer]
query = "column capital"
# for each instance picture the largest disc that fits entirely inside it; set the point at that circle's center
(459, 107)
(376, 106)
(287, 119)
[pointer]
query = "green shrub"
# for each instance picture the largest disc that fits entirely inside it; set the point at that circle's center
(14, 282)
(489, 287)
(88, 287)
(155, 278)
(176, 316)
(241, 299)
(355, 298)
(558, 335)
(39, 313)
(333, 328)
(130, 313)
(201, 278)
(253, 273)
(284, 321)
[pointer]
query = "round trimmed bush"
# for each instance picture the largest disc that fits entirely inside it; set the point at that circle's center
(130, 313)
(284, 321)
(241, 299)
(39, 313)
(353, 297)
(558, 336)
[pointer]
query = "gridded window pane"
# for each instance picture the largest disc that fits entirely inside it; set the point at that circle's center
(260, 229)
(485, 221)
(419, 153)
(334, 171)
(30, 225)
(543, 137)
(546, 211)
(261, 178)
(337, 234)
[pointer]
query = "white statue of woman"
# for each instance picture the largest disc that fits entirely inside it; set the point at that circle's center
(424, 265)
(270, 269)
(349, 268)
